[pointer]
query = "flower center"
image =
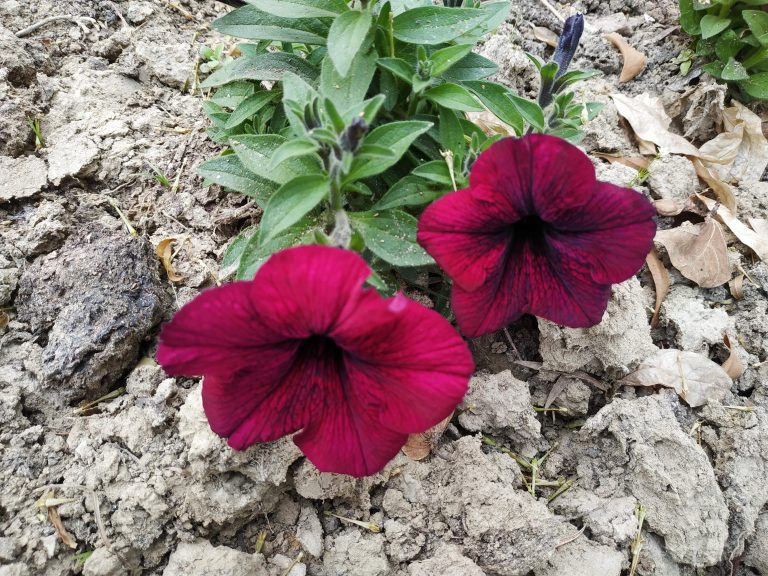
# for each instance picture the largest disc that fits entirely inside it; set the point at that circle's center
(532, 231)
(320, 352)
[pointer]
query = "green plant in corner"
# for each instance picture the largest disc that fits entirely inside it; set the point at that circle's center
(344, 120)
(731, 37)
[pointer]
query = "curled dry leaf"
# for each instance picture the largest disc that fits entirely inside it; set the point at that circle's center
(4, 319)
(660, 280)
(546, 35)
(736, 287)
(650, 122)
(723, 190)
(744, 233)
(695, 378)
(733, 366)
(635, 162)
(61, 532)
(699, 252)
(164, 251)
(634, 60)
(419, 446)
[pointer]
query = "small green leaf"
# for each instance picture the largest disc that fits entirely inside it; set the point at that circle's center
(253, 24)
(397, 137)
(248, 108)
(255, 151)
(756, 86)
(348, 91)
(268, 66)
(497, 98)
(715, 69)
(757, 21)
(734, 70)
(574, 76)
(391, 235)
(234, 251)
(454, 97)
(301, 8)
(232, 94)
(229, 172)
(450, 132)
(495, 15)
(292, 149)
(398, 67)
(689, 18)
(712, 25)
(728, 45)
(254, 254)
(408, 191)
(471, 67)
(346, 37)
(445, 58)
(291, 203)
(435, 24)
(434, 171)
(529, 110)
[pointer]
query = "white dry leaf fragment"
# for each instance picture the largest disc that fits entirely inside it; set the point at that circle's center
(695, 378)
(634, 60)
(744, 233)
(650, 122)
(489, 124)
(698, 251)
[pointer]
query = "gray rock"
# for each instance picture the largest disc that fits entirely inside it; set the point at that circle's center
(696, 325)
(21, 177)
(643, 452)
(98, 297)
(583, 558)
(757, 555)
(9, 279)
(500, 404)
(138, 12)
(358, 553)
(654, 560)
(200, 558)
(103, 562)
(446, 561)
(310, 532)
(70, 154)
(279, 565)
(9, 546)
(673, 177)
(171, 64)
(48, 228)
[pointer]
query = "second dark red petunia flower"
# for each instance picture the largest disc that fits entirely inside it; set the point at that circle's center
(536, 233)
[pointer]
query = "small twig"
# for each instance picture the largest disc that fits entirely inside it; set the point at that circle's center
(367, 525)
(637, 541)
(110, 396)
(79, 20)
(123, 217)
(295, 561)
(554, 10)
(571, 538)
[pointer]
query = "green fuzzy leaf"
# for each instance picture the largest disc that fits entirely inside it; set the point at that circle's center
(229, 172)
(292, 149)
(450, 132)
(756, 86)
(346, 37)
(397, 137)
(408, 191)
(292, 201)
(689, 18)
(434, 171)
(348, 91)
(253, 24)
(495, 15)
(398, 67)
(446, 58)
(734, 70)
(255, 255)
(436, 24)
(757, 21)
(454, 97)
(301, 8)
(712, 25)
(391, 235)
(471, 67)
(234, 252)
(714, 69)
(497, 98)
(248, 108)
(267, 66)
(255, 151)
(529, 110)
(728, 45)
(231, 95)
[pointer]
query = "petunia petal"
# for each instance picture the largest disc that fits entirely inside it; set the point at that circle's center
(216, 333)
(349, 441)
(537, 174)
(305, 289)
(532, 283)
(465, 236)
(405, 363)
(612, 233)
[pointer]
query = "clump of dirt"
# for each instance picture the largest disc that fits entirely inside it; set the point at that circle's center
(142, 485)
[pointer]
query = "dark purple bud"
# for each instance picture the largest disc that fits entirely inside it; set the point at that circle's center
(352, 137)
(569, 42)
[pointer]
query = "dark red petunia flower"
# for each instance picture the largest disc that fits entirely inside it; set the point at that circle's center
(536, 233)
(304, 346)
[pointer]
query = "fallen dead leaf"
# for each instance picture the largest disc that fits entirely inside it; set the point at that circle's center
(634, 162)
(736, 287)
(419, 446)
(61, 532)
(660, 280)
(634, 60)
(650, 122)
(546, 35)
(695, 378)
(490, 125)
(723, 190)
(744, 233)
(733, 366)
(164, 251)
(699, 252)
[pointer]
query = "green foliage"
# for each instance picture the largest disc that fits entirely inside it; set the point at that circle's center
(731, 38)
(344, 120)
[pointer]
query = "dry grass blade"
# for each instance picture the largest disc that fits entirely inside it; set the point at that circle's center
(733, 366)
(61, 532)
(634, 60)
(699, 252)
(419, 446)
(164, 251)
(660, 277)
(743, 232)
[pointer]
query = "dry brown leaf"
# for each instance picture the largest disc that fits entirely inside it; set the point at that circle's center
(61, 532)
(660, 280)
(695, 378)
(743, 232)
(164, 251)
(699, 252)
(546, 35)
(489, 124)
(669, 207)
(419, 446)
(650, 122)
(723, 190)
(733, 366)
(634, 162)
(634, 60)
(736, 287)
